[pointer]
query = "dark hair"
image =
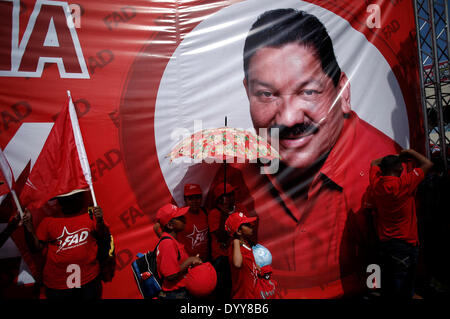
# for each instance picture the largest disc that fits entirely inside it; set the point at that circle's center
(389, 163)
(276, 28)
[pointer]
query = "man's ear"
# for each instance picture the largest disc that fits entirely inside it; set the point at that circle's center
(344, 92)
(245, 86)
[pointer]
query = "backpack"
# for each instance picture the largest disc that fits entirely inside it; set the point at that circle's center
(146, 274)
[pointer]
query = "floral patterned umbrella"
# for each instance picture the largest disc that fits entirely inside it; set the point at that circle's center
(223, 143)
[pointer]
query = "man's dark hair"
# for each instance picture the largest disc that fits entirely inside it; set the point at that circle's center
(389, 164)
(276, 28)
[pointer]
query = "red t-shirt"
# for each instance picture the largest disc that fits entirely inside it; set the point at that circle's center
(70, 241)
(244, 280)
(395, 215)
(317, 244)
(194, 237)
(216, 222)
(169, 256)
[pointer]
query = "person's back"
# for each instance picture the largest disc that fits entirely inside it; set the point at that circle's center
(393, 191)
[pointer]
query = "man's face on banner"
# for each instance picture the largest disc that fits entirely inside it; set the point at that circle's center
(287, 87)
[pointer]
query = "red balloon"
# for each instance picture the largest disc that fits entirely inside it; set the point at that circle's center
(201, 280)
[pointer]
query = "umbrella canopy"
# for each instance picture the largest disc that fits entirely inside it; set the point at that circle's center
(223, 143)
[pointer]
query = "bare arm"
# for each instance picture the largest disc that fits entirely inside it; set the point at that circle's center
(33, 243)
(376, 161)
(424, 163)
(237, 255)
(191, 261)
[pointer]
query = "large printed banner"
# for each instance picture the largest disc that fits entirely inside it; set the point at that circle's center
(143, 75)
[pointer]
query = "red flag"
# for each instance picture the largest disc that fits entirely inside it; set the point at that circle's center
(57, 169)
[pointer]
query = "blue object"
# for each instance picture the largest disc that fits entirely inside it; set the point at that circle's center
(262, 255)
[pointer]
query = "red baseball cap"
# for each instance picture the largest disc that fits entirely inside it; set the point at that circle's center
(219, 190)
(201, 279)
(169, 211)
(235, 220)
(192, 189)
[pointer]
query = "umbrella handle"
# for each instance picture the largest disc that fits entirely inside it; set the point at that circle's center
(225, 170)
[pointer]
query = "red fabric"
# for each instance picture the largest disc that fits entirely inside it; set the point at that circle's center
(395, 204)
(201, 279)
(194, 237)
(57, 169)
(244, 280)
(70, 241)
(168, 263)
(316, 243)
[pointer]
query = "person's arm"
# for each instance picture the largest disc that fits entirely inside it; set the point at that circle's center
(10, 228)
(190, 261)
(33, 243)
(376, 162)
(100, 228)
(237, 255)
(424, 163)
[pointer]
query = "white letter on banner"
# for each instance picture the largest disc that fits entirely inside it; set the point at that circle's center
(374, 19)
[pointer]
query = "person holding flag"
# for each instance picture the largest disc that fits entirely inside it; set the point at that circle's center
(73, 239)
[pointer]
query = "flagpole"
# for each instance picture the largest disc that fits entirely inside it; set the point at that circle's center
(80, 147)
(16, 201)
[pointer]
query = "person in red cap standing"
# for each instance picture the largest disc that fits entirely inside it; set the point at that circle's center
(195, 236)
(244, 270)
(225, 204)
(172, 259)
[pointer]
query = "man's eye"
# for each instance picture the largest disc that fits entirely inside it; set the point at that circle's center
(310, 92)
(264, 94)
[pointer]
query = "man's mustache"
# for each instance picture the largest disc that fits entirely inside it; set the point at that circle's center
(296, 130)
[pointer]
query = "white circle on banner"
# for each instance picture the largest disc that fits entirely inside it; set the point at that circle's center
(203, 83)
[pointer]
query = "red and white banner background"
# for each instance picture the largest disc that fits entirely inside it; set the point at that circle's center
(143, 73)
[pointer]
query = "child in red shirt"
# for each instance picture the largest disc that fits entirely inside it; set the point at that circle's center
(171, 258)
(195, 235)
(244, 271)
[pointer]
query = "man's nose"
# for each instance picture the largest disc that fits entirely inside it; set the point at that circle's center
(290, 110)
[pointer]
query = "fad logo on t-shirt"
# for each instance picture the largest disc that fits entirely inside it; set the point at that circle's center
(69, 240)
(198, 236)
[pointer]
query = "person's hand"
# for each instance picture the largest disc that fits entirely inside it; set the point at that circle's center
(15, 222)
(98, 214)
(195, 260)
(27, 220)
